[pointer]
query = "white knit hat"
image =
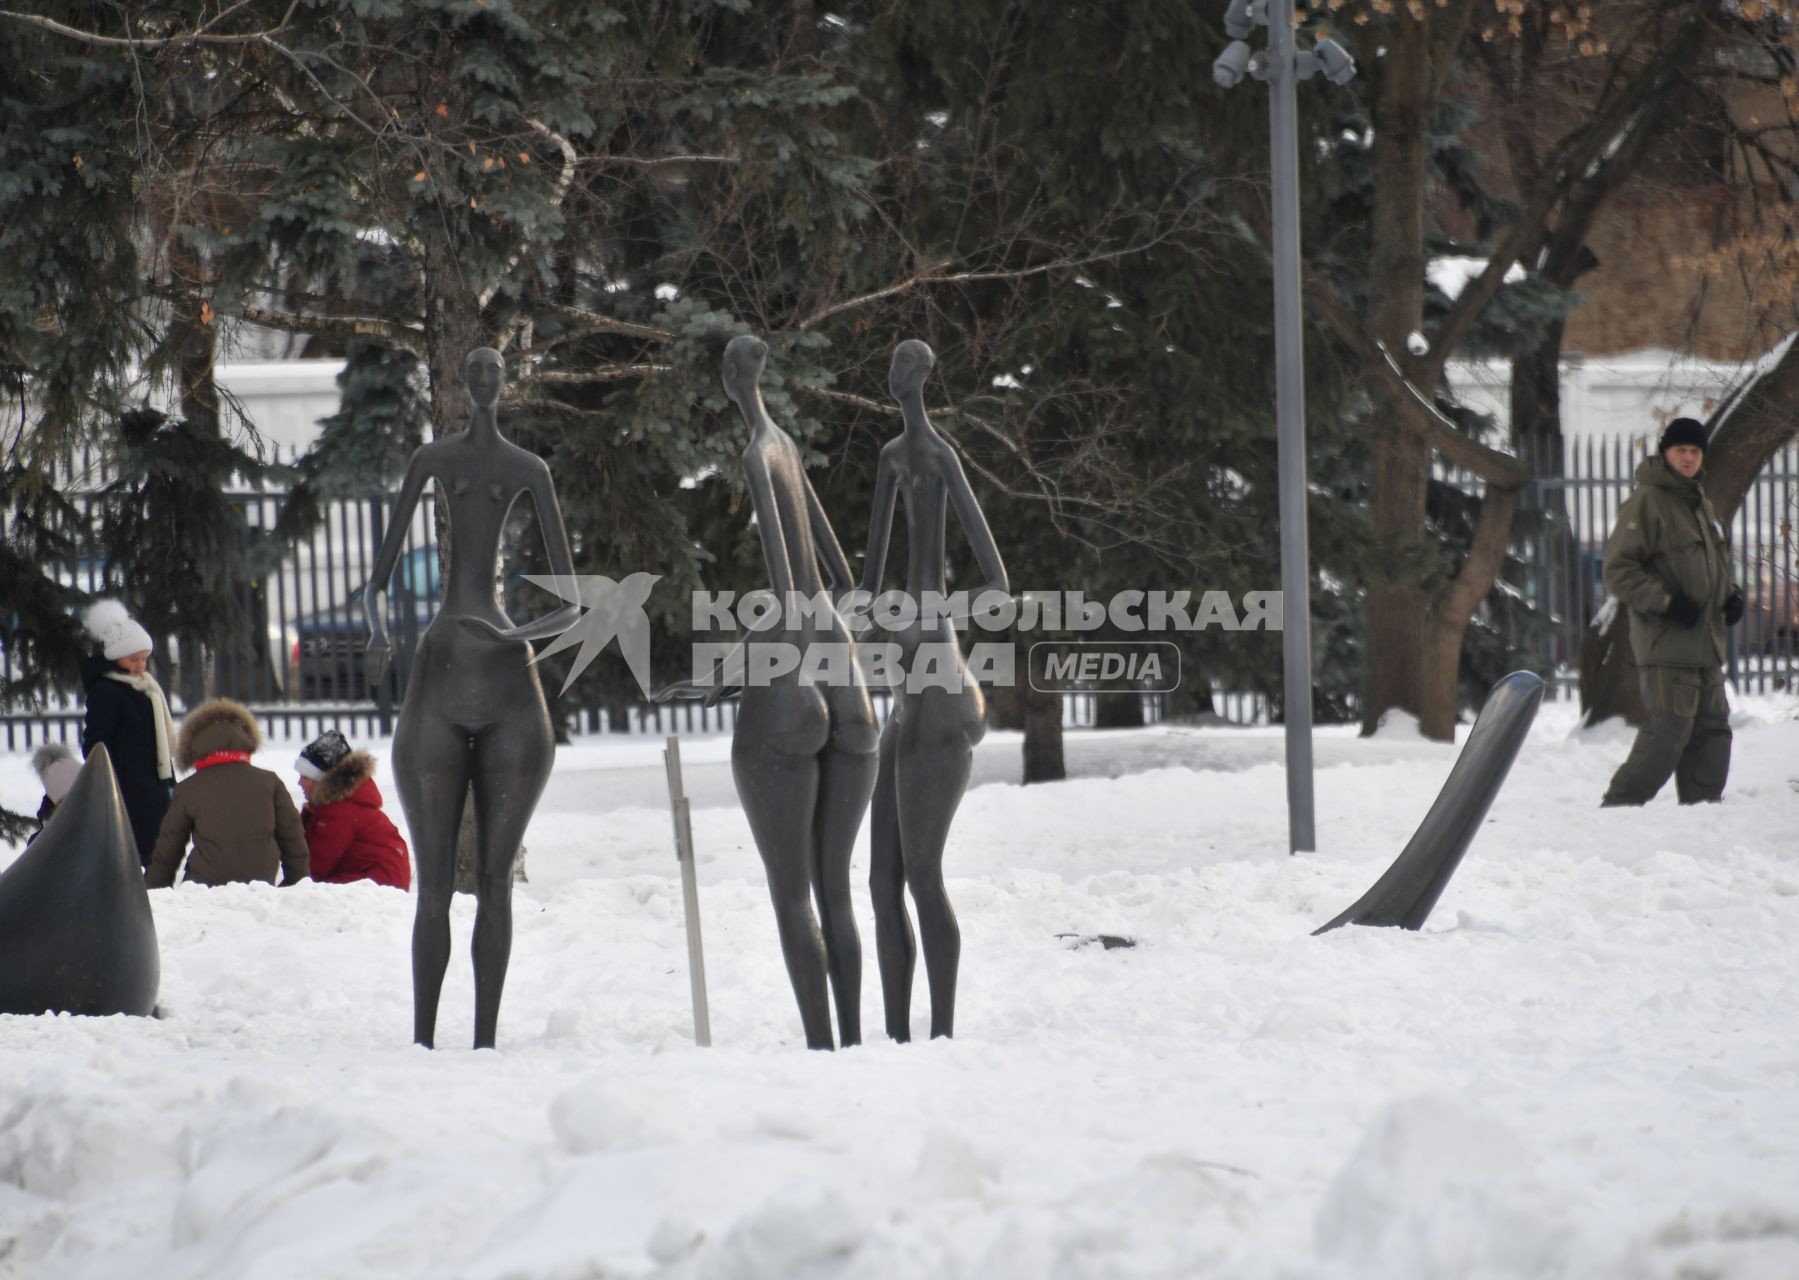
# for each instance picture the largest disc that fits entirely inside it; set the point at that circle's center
(57, 768)
(113, 627)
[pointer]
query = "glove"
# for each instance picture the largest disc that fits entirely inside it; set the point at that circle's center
(1733, 609)
(1685, 610)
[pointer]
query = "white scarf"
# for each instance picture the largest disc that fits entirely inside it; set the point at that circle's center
(159, 712)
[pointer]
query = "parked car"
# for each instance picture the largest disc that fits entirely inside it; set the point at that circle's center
(329, 645)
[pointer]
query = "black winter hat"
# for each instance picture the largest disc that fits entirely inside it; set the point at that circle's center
(1682, 431)
(321, 754)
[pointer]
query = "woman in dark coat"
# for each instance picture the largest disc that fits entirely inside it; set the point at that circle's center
(349, 836)
(127, 713)
(241, 819)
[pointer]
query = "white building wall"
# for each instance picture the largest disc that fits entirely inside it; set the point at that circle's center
(1631, 395)
(282, 399)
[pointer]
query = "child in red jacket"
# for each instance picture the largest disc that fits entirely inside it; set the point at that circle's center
(348, 834)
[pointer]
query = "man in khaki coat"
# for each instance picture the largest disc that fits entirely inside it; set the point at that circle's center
(241, 819)
(1669, 563)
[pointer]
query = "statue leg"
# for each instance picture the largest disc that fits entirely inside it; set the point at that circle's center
(932, 773)
(846, 777)
(512, 763)
(431, 771)
(780, 796)
(894, 945)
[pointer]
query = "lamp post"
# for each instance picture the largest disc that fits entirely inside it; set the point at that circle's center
(1283, 65)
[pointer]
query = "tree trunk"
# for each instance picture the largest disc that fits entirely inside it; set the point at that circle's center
(1043, 737)
(1393, 651)
(466, 847)
(1455, 606)
(1005, 706)
(1393, 640)
(1192, 698)
(1750, 428)
(1536, 414)
(452, 330)
(1608, 671)
(467, 880)
(1118, 708)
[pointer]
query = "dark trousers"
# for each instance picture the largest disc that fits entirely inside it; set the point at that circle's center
(1687, 735)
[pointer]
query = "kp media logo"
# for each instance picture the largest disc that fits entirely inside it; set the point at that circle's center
(802, 638)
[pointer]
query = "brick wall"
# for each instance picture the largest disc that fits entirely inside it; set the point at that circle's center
(1638, 297)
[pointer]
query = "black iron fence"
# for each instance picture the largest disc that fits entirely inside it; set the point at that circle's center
(300, 667)
(1566, 515)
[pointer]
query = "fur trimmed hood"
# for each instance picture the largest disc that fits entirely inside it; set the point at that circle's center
(343, 778)
(219, 725)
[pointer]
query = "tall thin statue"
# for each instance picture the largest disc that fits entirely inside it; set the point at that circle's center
(474, 714)
(927, 747)
(803, 752)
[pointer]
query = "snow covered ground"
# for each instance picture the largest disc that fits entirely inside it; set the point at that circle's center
(1587, 1065)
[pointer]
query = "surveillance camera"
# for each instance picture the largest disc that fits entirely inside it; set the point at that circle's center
(1231, 64)
(1334, 61)
(1238, 22)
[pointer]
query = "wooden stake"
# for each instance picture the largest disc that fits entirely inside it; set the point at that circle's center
(690, 892)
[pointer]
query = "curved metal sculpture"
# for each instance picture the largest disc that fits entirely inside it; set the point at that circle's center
(1405, 895)
(803, 750)
(927, 747)
(474, 719)
(76, 933)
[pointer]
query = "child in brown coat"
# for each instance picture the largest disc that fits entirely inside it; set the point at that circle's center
(242, 820)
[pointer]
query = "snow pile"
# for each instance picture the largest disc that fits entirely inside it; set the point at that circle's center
(1583, 1066)
(1454, 272)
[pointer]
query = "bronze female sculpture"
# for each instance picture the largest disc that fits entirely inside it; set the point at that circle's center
(927, 747)
(803, 751)
(474, 714)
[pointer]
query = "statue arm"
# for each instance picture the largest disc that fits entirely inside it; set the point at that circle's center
(726, 681)
(830, 551)
(974, 524)
(374, 595)
(880, 528)
(768, 526)
(562, 561)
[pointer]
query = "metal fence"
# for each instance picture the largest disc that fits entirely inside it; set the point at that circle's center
(298, 664)
(300, 669)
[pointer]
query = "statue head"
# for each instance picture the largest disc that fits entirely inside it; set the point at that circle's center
(485, 374)
(745, 358)
(912, 361)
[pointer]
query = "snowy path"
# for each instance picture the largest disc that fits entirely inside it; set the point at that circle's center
(1586, 1066)
(618, 774)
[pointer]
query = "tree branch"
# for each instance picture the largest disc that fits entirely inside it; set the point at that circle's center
(1418, 414)
(201, 36)
(1751, 426)
(935, 275)
(652, 162)
(1446, 38)
(1462, 594)
(1568, 168)
(597, 323)
(563, 179)
(599, 373)
(332, 326)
